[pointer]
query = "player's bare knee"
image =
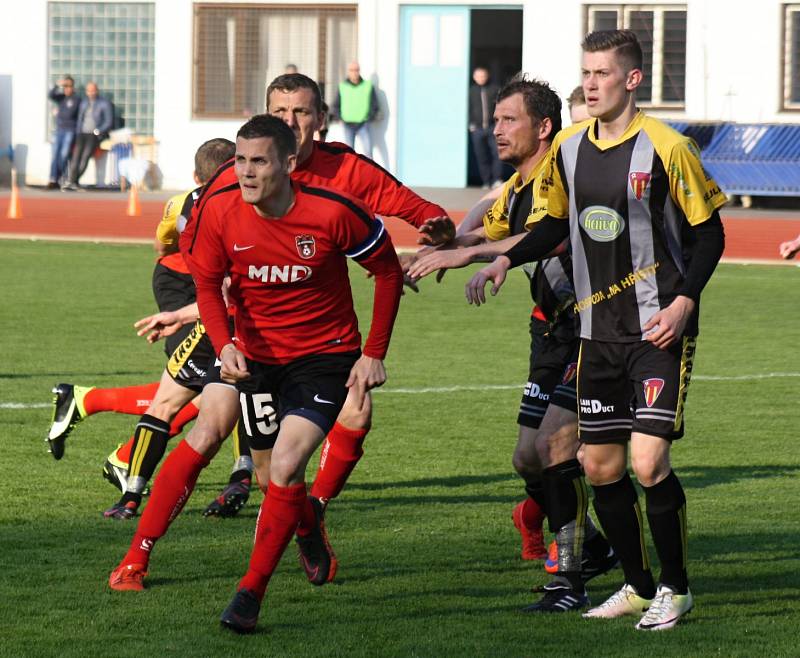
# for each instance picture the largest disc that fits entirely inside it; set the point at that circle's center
(287, 468)
(649, 469)
(601, 471)
(527, 463)
(206, 437)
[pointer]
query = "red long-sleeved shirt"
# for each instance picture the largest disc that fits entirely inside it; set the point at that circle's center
(289, 278)
(338, 167)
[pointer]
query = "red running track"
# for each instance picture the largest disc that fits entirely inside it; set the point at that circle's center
(67, 217)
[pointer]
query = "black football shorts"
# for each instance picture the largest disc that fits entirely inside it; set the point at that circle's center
(312, 387)
(632, 387)
(552, 376)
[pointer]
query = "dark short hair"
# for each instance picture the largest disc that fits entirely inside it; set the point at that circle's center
(265, 125)
(623, 42)
(577, 97)
(289, 82)
(70, 78)
(540, 100)
(211, 155)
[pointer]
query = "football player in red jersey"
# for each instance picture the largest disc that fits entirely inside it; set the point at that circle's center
(297, 344)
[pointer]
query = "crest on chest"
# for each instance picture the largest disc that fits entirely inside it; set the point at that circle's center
(306, 246)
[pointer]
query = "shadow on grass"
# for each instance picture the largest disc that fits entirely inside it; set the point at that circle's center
(453, 481)
(71, 376)
(696, 477)
(699, 477)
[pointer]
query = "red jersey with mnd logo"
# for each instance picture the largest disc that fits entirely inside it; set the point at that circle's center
(289, 276)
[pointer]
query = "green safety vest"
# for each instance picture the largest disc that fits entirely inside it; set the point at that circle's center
(354, 101)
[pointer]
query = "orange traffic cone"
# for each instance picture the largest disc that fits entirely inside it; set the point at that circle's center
(134, 209)
(14, 205)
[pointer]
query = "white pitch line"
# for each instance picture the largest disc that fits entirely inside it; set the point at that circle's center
(506, 387)
(481, 387)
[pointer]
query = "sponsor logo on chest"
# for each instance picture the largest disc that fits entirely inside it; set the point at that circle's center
(601, 224)
(279, 273)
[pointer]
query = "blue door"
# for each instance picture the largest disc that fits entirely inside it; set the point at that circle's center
(434, 86)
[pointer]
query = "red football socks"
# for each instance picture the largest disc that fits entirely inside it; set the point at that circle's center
(308, 519)
(124, 451)
(339, 455)
(277, 521)
(185, 415)
(172, 487)
(532, 514)
(133, 400)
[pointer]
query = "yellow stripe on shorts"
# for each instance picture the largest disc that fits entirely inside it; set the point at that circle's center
(182, 353)
(687, 362)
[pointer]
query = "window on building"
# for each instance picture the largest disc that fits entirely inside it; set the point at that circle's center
(661, 30)
(239, 50)
(112, 44)
(791, 58)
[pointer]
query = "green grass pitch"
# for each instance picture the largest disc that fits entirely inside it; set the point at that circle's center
(429, 559)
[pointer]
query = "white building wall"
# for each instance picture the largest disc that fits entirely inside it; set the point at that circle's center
(733, 71)
(23, 58)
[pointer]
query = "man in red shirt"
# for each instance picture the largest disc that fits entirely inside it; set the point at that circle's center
(297, 344)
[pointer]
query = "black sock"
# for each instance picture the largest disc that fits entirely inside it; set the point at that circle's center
(535, 489)
(617, 507)
(149, 444)
(567, 499)
(130, 496)
(597, 546)
(666, 514)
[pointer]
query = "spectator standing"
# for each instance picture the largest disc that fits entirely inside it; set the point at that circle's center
(356, 105)
(66, 114)
(482, 96)
(95, 118)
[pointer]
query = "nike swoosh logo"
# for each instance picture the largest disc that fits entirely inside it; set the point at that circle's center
(317, 398)
(236, 247)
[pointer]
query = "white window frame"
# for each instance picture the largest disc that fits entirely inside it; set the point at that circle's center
(790, 60)
(623, 21)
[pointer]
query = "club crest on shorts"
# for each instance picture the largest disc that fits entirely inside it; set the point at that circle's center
(652, 389)
(306, 246)
(639, 181)
(569, 373)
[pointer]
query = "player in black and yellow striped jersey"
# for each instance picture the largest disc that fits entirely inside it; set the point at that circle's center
(527, 115)
(645, 232)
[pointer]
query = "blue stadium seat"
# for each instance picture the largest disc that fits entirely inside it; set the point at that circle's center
(755, 159)
(701, 133)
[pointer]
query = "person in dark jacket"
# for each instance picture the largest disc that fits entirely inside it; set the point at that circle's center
(66, 117)
(482, 97)
(95, 118)
(355, 105)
